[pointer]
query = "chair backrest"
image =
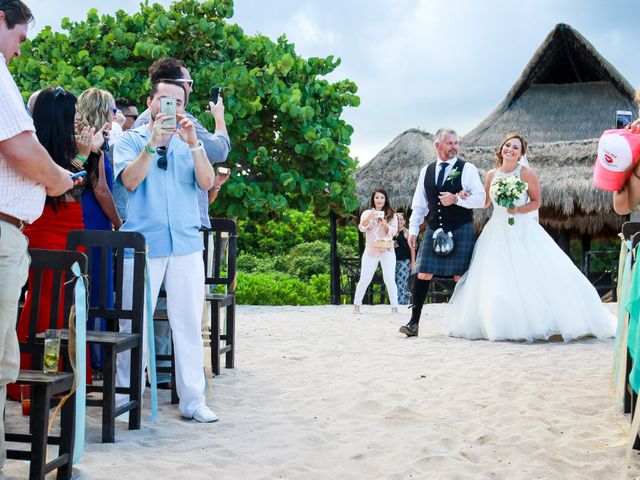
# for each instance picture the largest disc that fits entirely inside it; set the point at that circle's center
(629, 229)
(114, 246)
(53, 265)
(224, 234)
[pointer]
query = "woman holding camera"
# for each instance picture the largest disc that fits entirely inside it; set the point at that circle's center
(380, 225)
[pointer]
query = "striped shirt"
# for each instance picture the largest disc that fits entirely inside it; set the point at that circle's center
(19, 197)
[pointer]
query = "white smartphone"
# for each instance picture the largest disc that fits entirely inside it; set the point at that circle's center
(380, 214)
(623, 118)
(168, 107)
(223, 171)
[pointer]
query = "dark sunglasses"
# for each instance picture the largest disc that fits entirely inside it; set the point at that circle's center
(59, 91)
(114, 110)
(162, 157)
(130, 115)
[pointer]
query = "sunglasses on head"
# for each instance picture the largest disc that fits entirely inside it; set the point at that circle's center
(162, 157)
(185, 80)
(59, 91)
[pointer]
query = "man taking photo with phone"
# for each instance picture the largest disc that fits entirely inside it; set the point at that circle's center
(27, 176)
(217, 144)
(162, 170)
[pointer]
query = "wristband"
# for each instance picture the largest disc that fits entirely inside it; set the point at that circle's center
(199, 148)
(81, 158)
(149, 149)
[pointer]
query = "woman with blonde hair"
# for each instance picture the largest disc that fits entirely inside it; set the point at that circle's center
(520, 285)
(96, 108)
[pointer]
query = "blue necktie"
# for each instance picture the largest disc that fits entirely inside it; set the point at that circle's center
(440, 182)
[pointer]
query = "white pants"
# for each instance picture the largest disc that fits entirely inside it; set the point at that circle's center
(183, 278)
(368, 269)
(14, 268)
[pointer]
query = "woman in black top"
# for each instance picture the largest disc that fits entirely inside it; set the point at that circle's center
(405, 260)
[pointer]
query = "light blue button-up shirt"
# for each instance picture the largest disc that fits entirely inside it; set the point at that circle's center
(164, 207)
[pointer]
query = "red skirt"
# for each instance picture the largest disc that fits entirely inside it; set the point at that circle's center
(49, 232)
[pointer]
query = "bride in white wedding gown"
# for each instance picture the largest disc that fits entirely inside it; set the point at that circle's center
(520, 284)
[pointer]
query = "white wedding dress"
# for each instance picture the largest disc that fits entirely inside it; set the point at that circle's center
(522, 286)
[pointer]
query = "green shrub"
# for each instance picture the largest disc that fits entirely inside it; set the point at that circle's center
(275, 288)
(251, 263)
(278, 236)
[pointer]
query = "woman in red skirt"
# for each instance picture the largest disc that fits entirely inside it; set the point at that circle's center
(53, 117)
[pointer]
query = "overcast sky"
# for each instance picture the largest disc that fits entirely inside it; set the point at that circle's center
(418, 63)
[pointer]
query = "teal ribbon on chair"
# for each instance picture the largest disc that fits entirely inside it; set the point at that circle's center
(81, 361)
(153, 378)
(620, 348)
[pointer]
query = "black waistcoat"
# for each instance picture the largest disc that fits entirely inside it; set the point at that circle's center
(453, 216)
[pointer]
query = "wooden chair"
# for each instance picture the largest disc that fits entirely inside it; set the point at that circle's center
(630, 396)
(113, 245)
(44, 386)
(224, 233)
(629, 229)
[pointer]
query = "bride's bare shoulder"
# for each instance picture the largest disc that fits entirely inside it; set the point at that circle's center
(527, 172)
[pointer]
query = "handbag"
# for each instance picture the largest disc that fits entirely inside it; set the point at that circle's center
(443, 243)
(385, 243)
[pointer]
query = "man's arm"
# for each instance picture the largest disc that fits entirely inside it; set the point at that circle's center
(133, 172)
(472, 184)
(28, 157)
(419, 205)
(216, 145)
(201, 166)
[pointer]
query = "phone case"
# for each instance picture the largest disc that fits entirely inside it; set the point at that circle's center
(168, 106)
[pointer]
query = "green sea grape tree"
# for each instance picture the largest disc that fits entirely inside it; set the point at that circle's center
(290, 146)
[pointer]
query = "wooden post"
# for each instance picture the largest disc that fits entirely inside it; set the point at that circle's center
(334, 261)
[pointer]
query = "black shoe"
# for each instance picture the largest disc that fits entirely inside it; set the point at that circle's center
(410, 329)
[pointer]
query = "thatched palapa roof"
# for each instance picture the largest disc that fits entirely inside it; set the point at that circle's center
(396, 168)
(563, 101)
(567, 91)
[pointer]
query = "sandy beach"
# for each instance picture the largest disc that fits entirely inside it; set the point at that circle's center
(320, 393)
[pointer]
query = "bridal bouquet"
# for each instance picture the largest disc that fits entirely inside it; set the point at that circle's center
(506, 190)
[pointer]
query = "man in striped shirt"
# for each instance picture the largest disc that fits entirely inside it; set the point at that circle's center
(27, 175)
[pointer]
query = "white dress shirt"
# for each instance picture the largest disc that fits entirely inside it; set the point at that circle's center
(19, 197)
(470, 182)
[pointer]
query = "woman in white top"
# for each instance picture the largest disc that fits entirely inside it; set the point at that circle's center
(380, 225)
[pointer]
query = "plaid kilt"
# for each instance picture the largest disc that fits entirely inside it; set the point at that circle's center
(456, 263)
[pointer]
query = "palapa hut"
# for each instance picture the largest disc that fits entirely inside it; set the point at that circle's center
(565, 98)
(396, 169)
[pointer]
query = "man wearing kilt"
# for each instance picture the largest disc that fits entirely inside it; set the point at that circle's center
(447, 190)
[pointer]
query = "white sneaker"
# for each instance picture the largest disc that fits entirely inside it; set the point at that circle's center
(204, 414)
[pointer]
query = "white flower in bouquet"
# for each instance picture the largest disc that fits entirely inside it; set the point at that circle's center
(506, 191)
